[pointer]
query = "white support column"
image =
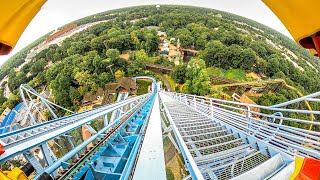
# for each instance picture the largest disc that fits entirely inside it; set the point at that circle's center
(248, 115)
(211, 108)
(105, 120)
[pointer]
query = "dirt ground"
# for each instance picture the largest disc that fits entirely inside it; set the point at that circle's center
(175, 163)
(170, 153)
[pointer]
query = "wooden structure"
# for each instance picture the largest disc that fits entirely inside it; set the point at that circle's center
(105, 95)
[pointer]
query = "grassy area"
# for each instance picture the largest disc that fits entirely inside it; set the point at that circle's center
(166, 144)
(235, 74)
(169, 174)
(115, 96)
(143, 87)
(165, 120)
(171, 81)
(254, 99)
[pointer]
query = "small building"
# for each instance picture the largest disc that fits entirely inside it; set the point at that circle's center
(127, 84)
(89, 98)
(110, 88)
(105, 95)
(100, 94)
(60, 32)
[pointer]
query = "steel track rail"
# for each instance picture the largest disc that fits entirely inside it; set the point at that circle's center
(68, 173)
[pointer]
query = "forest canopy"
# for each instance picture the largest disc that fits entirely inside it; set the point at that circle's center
(223, 40)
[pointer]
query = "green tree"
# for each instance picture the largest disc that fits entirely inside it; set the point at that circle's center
(112, 53)
(38, 66)
(179, 73)
(194, 67)
(201, 84)
(185, 37)
(53, 72)
(135, 39)
(279, 75)
(60, 89)
(15, 79)
(213, 23)
(141, 56)
(74, 95)
(273, 66)
(261, 65)
(136, 68)
(97, 44)
(249, 58)
(188, 87)
(119, 74)
(214, 54)
(152, 42)
(2, 98)
(103, 78)
(233, 57)
(84, 78)
(198, 79)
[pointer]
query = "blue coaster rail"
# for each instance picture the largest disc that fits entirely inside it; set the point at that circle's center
(115, 149)
(9, 119)
(114, 159)
(21, 140)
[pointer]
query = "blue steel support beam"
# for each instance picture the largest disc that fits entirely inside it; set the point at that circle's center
(22, 145)
(119, 151)
(72, 153)
(131, 160)
(22, 140)
(46, 153)
(33, 160)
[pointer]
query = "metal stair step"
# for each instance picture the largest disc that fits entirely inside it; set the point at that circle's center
(209, 134)
(203, 130)
(264, 170)
(192, 125)
(238, 167)
(218, 147)
(196, 140)
(214, 141)
(199, 127)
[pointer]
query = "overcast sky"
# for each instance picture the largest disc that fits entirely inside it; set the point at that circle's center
(56, 13)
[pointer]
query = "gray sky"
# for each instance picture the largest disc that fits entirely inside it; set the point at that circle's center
(56, 13)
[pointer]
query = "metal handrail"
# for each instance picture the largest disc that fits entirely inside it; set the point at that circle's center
(190, 96)
(191, 164)
(289, 139)
(16, 147)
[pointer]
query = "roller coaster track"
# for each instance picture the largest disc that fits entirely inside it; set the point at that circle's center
(218, 139)
(274, 81)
